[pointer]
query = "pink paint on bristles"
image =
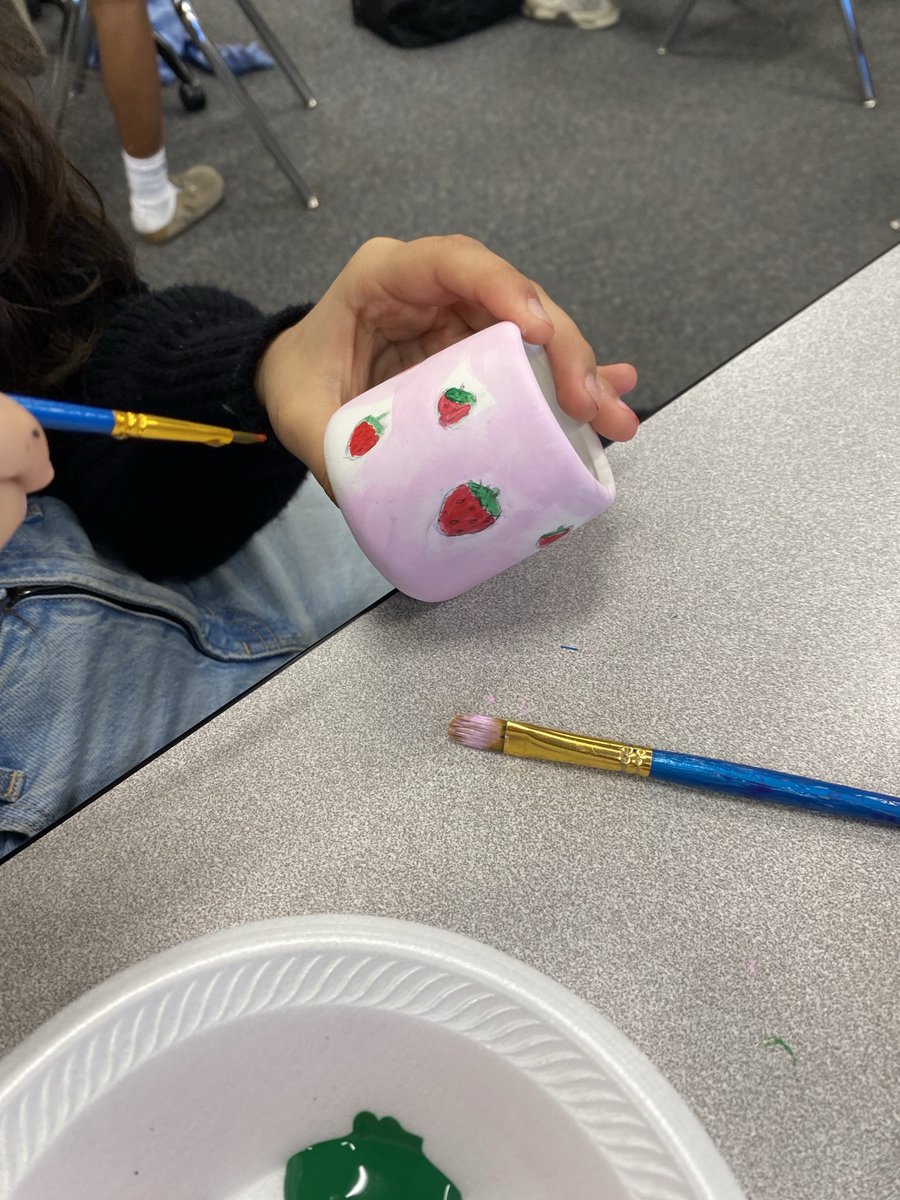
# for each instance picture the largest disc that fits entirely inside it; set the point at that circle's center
(478, 732)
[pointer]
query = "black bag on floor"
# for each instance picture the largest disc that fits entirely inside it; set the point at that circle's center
(424, 22)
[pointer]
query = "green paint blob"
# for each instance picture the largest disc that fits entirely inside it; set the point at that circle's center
(777, 1043)
(379, 1160)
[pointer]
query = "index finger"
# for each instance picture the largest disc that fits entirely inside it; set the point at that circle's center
(460, 271)
(585, 391)
(455, 269)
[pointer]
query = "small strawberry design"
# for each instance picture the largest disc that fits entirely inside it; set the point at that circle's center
(469, 508)
(453, 405)
(547, 539)
(365, 436)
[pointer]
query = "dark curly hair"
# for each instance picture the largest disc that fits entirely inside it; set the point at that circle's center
(61, 261)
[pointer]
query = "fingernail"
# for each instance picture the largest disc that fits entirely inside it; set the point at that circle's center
(621, 403)
(538, 309)
(592, 389)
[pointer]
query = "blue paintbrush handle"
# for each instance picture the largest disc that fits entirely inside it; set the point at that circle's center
(760, 784)
(73, 418)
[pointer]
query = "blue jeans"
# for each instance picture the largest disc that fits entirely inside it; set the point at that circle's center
(100, 669)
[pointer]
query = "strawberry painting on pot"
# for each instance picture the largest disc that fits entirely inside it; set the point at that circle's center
(464, 464)
(453, 404)
(365, 435)
(469, 508)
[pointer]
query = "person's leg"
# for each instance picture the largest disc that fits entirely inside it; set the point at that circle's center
(159, 209)
(303, 568)
(130, 74)
(100, 669)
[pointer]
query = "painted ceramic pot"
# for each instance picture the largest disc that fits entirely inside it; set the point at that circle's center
(464, 465)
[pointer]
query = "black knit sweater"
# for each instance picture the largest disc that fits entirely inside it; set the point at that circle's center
(166, 509)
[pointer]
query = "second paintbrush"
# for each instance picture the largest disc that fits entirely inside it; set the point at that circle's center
(525, 740)
(83, 418)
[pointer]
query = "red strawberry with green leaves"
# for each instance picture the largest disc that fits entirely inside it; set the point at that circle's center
(365, 436)
(547, 539)
(469, 508)
(453, 405)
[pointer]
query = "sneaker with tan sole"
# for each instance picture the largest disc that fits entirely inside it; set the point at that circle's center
(584, 14)
(200, 189)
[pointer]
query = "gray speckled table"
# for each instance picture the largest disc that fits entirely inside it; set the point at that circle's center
(740, 600)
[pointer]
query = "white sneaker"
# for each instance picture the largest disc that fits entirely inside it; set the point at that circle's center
(200, 189)
(585, 14)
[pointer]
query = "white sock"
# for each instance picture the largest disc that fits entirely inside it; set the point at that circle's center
(153, 195)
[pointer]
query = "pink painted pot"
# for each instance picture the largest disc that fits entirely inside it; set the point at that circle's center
(464, 465)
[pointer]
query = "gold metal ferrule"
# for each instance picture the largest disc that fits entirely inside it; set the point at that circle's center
(555, 745)
(168, 429)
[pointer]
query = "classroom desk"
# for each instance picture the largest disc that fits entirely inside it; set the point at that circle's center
(742, 600)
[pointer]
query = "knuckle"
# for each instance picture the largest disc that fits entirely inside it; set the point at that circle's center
(458, 242)
(374, 247)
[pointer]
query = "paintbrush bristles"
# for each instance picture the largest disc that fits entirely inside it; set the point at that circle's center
(247, 439)
(477, 732)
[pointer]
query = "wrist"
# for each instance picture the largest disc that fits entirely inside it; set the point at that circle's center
(271, 330)
(273, 376)
(281, 384)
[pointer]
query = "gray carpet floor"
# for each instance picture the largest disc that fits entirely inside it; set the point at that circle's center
(679, 207)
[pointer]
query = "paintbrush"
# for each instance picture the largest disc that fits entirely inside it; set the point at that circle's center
(756, 783)
(82, 418)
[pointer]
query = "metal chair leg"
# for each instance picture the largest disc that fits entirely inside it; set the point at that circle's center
(68, 73)
(847, 11)
(81, 49)
(191, 94)
(173, 61)
(859, 55)
(675, 27)
(251, 110)
(278, 52)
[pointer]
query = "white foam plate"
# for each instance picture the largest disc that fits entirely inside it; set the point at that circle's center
(199, 1072)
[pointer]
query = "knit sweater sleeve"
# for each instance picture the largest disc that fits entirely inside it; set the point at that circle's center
(172, 510)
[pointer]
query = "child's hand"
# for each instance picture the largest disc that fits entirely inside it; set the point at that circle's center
(396, 303)
(24, 464)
